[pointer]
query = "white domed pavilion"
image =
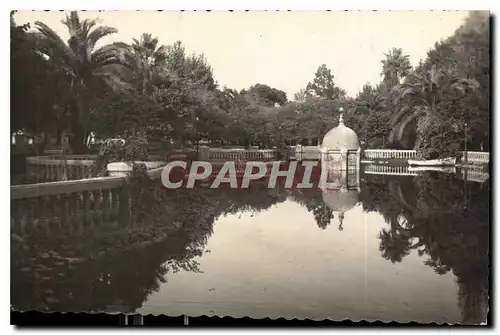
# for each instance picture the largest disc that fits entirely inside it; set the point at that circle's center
(340, 137)
(340, 147)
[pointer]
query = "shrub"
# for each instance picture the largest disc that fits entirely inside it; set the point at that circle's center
(133, 148)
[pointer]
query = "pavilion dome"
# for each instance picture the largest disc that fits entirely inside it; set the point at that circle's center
(340, 137)
(340, 201)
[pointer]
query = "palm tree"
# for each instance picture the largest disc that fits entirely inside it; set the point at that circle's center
(85, 66)
(420, 95)
(147, 60)
(395, 67)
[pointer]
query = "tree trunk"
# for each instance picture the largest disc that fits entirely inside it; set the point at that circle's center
(58, 136)
(77, 141)
(79, 128)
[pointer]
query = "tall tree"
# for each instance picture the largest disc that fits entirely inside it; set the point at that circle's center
(323, 85)
(86, 67)
(301, 96)
(147, 60)
(267, 96)
(395, 67)
(193, 68)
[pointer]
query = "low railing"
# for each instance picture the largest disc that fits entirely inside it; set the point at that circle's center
(307, 152)
(389, 154)
(313, 152)
(476, 157)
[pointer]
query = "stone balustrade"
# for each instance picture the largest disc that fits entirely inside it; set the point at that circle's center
(67, 205)
(51, 168)
(70, 205)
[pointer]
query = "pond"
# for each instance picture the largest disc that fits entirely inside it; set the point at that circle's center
(402, 248)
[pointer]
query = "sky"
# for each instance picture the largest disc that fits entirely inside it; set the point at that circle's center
(281, 49)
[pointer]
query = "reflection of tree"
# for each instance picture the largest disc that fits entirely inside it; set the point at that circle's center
(170, 229)
(118, 282)
(114, 267)
(393, 245)
(256, 198)
(313, 201)
(455, 237)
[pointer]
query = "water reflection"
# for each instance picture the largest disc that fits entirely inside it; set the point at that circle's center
(122, 265)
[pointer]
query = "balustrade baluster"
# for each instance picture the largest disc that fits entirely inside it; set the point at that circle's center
(106, 205)
(114, 204)
(53, 174)
(71, 172)
(59, 170)
(124, 208)
(43, 172)
(82, 172)
(46, 171)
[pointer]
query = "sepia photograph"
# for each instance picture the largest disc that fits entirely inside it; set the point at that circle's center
(320, 165)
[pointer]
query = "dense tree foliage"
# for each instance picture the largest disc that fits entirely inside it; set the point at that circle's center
(173, 96)
(323, 85)
(442, 218)
(447, 93)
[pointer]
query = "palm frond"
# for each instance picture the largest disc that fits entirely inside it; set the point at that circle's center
(87, 26)
(95, 35)
(403, 113)
(116, 51)
(403, 124)
(53, 40)
(72, 22)
(464, 83)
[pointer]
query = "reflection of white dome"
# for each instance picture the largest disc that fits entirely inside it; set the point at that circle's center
(340, 201)
(340, 137)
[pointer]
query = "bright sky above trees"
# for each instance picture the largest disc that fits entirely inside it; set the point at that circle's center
(281, 49)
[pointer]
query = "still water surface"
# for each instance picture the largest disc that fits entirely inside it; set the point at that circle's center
(408, 249)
